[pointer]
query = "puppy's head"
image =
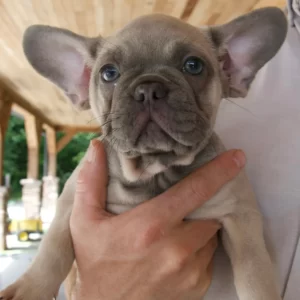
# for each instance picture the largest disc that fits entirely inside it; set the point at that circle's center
(156, 85)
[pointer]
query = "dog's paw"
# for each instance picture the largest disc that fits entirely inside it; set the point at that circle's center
(25, 290)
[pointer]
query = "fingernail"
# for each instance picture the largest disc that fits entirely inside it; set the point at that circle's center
(91, 152)
(239, 158)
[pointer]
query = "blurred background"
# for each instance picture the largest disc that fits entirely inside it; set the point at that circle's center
(42, 137)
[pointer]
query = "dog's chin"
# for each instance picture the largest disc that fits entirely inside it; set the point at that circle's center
(153, 152)
(158, 144)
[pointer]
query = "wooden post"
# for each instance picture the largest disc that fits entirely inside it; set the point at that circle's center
(54, 146)
(51, 181)
(2, 139)
(5, 110)
(31, 190)
(3, 216)
(51, 147)
(33, 129)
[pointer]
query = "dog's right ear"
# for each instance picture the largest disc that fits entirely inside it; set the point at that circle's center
(246, 44)
(63, 57)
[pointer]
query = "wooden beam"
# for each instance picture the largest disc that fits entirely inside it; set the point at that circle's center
(5, 110)
(95, 129)
(188, 9)
(265, 3)
(51, 147)
(33, 129)
(23, 107)
(63, 141)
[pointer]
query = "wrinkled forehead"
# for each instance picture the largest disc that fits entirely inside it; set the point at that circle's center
(155, 39)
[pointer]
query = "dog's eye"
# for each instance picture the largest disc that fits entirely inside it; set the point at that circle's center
(193, 65)
(109, 73)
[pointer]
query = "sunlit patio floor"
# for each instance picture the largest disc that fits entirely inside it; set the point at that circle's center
(14, 262)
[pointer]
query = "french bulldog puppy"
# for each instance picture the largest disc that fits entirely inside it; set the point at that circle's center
(155, 88)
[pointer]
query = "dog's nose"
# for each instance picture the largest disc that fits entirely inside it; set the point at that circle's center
(150, 91)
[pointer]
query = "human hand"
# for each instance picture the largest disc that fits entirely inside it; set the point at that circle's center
(148, 252)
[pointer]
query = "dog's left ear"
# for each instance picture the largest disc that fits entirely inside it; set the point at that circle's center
(246, 44)
(63, 57)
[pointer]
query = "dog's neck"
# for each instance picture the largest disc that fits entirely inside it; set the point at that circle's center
(146, 166)
(142, 169)
(124, 194)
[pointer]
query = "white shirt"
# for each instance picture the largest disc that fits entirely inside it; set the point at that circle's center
(268, 130)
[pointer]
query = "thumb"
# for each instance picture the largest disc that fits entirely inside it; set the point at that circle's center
(91, 185)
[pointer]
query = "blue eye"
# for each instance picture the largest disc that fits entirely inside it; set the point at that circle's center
(109, 73)
(193, 65)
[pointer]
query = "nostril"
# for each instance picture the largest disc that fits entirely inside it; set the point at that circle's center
(140, 97)
(156, 95)
(150, 91)
(139, 94)
(159, 91)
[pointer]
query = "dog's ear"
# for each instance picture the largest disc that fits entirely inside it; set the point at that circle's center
(64, 58)
(246, 44)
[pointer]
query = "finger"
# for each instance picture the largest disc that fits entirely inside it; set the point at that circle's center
(91, 186)
(193, 236)
(199, 268)
(204, 263)
(190, 193)
(204, 256)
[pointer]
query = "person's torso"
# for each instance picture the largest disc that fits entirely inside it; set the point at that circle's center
(267, 128)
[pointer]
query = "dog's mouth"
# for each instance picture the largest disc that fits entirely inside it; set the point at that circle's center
(151, 125)
(152, 134)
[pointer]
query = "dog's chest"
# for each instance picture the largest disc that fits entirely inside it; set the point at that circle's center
(123, 196)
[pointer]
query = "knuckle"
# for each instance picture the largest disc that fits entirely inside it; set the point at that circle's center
(193, 281)
(148, 235)
(80, 187)
(177, 258)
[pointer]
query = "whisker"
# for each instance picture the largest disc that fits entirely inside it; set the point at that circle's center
(107, 122)
(245, 109)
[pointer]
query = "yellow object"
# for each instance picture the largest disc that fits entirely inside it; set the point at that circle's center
(23, 228)
(23, 236)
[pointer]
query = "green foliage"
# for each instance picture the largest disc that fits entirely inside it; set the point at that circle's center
(69, 157)
(15, 155)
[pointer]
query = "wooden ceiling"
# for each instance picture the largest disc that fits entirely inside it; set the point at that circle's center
(88, 17)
